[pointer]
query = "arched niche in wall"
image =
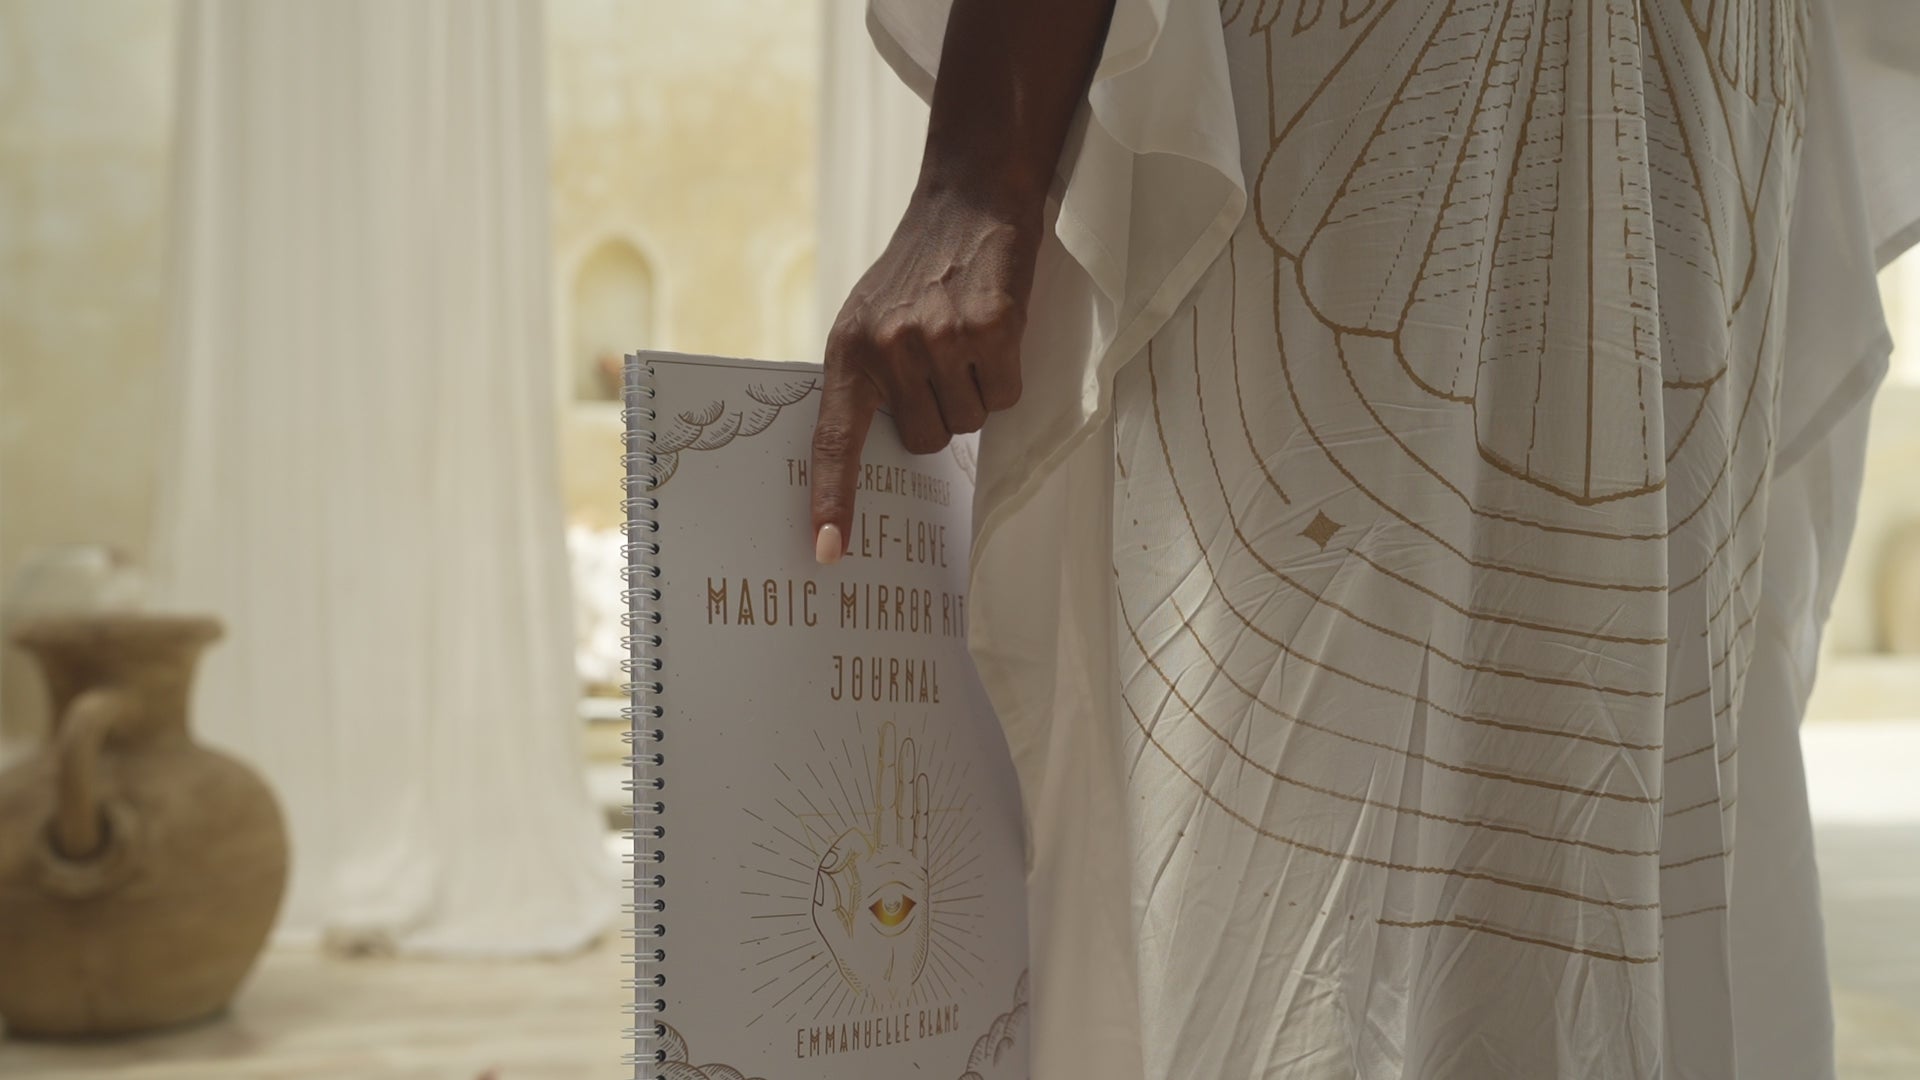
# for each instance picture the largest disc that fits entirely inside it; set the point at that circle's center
(611, 312)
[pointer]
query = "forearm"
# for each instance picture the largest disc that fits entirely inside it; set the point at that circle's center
(1012, 73)
(933, 328)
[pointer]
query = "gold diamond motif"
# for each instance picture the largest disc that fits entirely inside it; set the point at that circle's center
(1321, 529)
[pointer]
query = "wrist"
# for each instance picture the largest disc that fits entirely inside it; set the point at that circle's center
(1003, 193)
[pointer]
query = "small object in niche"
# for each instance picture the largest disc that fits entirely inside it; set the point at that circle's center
(73, 579)
(607, 369)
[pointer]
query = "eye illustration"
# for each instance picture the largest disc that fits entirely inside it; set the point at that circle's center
(893, 907)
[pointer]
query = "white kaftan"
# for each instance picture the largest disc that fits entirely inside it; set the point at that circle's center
(1431, 477)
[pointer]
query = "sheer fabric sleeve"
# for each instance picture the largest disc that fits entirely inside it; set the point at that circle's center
(1148, 190)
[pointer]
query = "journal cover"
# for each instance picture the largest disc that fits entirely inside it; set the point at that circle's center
(828, 862)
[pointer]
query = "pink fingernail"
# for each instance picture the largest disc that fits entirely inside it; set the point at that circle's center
(826, 545)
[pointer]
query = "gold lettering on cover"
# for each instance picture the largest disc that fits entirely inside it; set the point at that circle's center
(745, 615)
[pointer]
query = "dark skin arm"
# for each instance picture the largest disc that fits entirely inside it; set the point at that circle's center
(932, 331)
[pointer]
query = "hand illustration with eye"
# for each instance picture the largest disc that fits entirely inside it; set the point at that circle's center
(871, 893)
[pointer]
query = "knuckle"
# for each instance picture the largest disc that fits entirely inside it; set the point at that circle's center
(832, 440)
(850, 334)
(995, 313)
(895, 336)
(940, 332)
(829, 504)
(843, 342)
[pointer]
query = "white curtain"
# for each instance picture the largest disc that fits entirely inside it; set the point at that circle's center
(872, 129)
(364, 479)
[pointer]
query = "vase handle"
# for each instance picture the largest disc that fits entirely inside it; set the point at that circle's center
(79, 823)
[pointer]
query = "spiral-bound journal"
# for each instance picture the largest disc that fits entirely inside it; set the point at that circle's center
(827, 842)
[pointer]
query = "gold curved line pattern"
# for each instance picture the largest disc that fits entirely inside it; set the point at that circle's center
(1489, 928)
(1494, 515)
(1672, 528)
(1462, 556)
(1693, 179)
(1748, 195)
(1369, 860)
(1700, 693)
(1736, 584)
(1254, 698)
(1691, 753)
(1504, 620)
(1239, 395)
(1352, 11)
(1740, 516)
(1240, 399)
(1695, 911)
(1428, 141)
(1734, 641)
(1472, 561)
(1682, 864)
(1693, 420)
(1320, 598)
(1440, 220)
(1407, 696)
(1404, 694)
(1738, 629)
(1690, 809)
(1288, 650)
(1276, 136)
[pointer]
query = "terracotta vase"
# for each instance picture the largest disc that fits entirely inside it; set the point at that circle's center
(140, 872)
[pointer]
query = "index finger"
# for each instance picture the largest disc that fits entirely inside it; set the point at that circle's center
(848, 400)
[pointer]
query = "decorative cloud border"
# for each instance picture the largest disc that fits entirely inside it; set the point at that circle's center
(717, 424)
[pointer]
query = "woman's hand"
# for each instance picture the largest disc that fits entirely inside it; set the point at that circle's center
(931, 334)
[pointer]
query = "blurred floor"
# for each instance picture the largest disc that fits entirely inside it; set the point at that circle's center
(305, 1016)
(1861, 779)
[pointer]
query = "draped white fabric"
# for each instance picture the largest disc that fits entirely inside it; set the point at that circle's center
(364, 481)
(1372, 588)
(872, 128)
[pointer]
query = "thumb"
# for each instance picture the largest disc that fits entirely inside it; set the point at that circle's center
(848, 400)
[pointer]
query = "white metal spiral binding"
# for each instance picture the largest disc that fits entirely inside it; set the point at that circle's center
(645, 784)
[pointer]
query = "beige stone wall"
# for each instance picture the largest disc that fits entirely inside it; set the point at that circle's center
(86, 96)
(1859, 678)
(1891, 500)
(1892, 488)
(684, 132)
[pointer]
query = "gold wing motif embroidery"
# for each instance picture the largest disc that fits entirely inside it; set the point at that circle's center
(1491, 201)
